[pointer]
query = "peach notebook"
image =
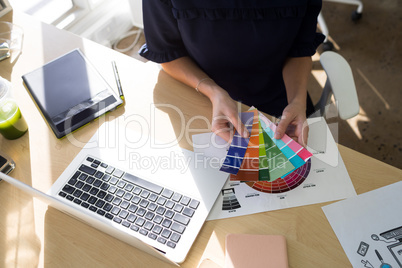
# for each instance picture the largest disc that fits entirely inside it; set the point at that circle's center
(246, 251)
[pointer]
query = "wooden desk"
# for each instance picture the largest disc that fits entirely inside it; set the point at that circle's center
(35, 235)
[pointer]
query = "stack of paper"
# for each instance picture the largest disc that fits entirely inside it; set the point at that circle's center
(260, 157)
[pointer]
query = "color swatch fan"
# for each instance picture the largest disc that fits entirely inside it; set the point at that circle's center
(265, 163)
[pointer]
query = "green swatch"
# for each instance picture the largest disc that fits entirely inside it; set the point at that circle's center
(278, 163)
(263, 165)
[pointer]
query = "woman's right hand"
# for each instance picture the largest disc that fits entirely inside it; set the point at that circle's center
(225, 116)
(224, 110)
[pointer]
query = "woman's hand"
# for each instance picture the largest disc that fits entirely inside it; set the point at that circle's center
(225, 116)
(293, 122)
(224, 110)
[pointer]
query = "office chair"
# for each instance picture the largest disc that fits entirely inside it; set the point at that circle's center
(356, 16)
(341, 84)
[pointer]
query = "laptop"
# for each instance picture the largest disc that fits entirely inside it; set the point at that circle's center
(151, 195)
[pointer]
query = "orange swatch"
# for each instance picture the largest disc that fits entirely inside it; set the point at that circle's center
(249, 169)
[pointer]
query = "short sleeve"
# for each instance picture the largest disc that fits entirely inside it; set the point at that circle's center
(308, 39)
(162, 36)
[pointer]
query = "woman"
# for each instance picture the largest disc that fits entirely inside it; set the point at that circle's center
(254, 51)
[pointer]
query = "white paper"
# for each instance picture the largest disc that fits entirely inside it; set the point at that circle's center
(328, 179)
(369, 222)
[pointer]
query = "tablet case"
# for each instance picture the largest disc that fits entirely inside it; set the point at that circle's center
(70, 92)
(256, 251)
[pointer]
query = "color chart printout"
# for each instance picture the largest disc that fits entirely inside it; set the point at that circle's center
(313, 180)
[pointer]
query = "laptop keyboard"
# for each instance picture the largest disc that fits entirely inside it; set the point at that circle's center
(137, 204)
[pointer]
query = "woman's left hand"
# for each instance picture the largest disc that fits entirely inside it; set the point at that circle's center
(293, 122)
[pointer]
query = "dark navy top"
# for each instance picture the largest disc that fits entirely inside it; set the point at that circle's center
(241, 44)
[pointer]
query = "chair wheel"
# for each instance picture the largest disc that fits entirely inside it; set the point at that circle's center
(356, 16)
(327, 46)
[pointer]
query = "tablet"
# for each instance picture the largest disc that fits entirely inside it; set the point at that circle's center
(70, 92)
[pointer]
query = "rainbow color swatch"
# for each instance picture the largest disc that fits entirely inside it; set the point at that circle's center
(263, 161)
